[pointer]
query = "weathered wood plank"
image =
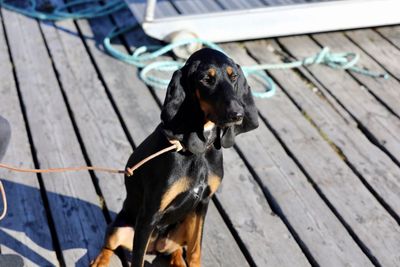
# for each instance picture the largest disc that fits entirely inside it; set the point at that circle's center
(382, 174)
(219, 247)
(24, 230)
(266, 237)
(367, 111)
(392, 33)
(357, 207)
(378, 48)
(320, 232)
(140, 112)
(132, 97)
(99, 127)
(385, 90)
(316, 226)
(75, 206)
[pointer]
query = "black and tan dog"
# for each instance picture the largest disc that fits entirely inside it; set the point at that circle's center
(208, 103)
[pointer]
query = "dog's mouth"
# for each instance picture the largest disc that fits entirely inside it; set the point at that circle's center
(223, 124)
(225, 132)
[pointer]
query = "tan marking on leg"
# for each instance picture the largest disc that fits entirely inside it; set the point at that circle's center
(174, 240)
(188, 233)
(118, 236)
(177, 259)
(229, 70)
(175, 189)
(213, 182)
(194, 232)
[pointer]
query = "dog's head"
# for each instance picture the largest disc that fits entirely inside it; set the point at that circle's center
(208, 101)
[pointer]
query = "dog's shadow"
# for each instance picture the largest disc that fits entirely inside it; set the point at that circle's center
(33, 242)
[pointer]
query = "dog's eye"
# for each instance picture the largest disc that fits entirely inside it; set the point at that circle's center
(234, 77)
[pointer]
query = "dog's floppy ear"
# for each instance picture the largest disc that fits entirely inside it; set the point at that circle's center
(174, 98)
(250, 119)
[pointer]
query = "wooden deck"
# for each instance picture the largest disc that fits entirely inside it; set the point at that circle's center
(317, 184)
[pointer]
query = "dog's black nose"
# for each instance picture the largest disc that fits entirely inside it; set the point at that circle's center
(236, 116)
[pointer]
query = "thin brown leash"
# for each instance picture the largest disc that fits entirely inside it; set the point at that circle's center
(176, 145)
(3, 196)
(52, 170)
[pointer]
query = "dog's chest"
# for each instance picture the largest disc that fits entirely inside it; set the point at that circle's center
(190, 187)
(204, 178)
(191, 181)
(183, 198)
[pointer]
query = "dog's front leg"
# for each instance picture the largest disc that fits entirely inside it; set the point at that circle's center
(194, 228)
(143, 229)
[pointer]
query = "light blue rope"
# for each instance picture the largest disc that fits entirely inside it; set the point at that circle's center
(143, 57)
(345, 61)
(143, 54)
(61, 13)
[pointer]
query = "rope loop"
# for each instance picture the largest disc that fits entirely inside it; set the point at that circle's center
(334, 60)
(318, 59)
